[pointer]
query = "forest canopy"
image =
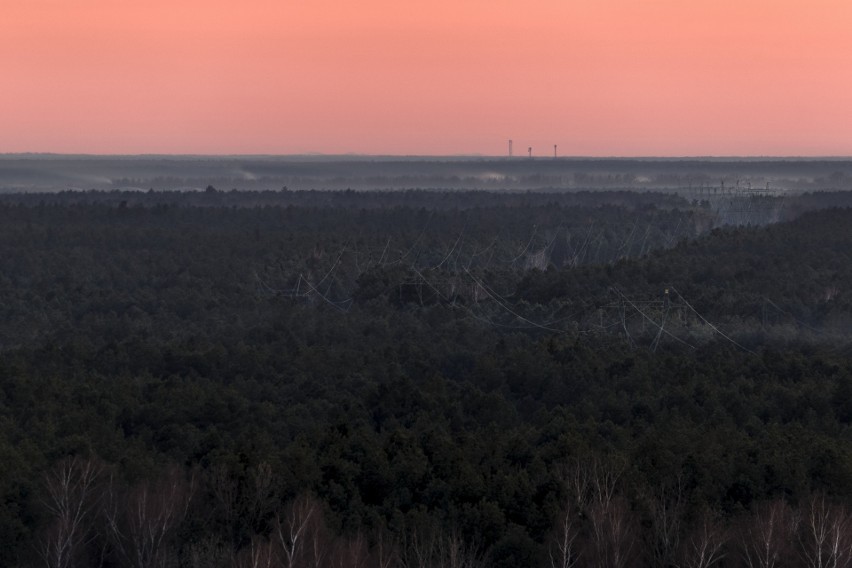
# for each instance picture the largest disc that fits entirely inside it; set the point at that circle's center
(513, 379)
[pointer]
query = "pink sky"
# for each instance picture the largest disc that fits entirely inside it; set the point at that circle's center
(596, 77)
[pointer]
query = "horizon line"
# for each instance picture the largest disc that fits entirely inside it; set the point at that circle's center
(473, 156)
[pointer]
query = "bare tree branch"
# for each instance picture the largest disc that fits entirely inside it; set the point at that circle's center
(71, 499)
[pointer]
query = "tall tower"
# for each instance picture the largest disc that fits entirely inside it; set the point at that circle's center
(510, 147)
(554, 150)
(529, 150)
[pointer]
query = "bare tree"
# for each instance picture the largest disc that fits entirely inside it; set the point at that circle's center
(611, 523)
(386, 551)
(613, 535)
(592, 488)
(319, 545)
(455, 552)
(421, 547)
(563, 552)
(666, 509)
(351, 552)
(766, 535)
(144, 518)
(603, 480)
(261, 495)
(575, 476)
(224, 488)
(824, 538)
(429, 546)
(296, 533)
(705, 546)
(72, 499)
(258, 554)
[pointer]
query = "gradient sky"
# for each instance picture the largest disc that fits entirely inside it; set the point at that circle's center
(596, 77)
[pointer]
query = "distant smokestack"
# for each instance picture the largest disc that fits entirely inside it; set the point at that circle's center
(530, 151)
(554, 150)
(510, 147)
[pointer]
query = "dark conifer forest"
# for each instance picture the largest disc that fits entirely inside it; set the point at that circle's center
(346, 379)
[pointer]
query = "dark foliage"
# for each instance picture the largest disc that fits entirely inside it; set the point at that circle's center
(433, 377)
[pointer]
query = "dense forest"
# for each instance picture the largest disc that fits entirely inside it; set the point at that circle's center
(423, 379)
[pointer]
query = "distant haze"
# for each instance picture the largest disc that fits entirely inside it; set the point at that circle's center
(22, 172)
(595, 77)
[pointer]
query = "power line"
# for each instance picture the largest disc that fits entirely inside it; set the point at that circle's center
(662, 330)
(713, 327)
(501, 304)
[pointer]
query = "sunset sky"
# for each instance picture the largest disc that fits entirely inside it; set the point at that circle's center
(596, 77)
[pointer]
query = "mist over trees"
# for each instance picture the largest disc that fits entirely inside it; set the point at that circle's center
(53, 172)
